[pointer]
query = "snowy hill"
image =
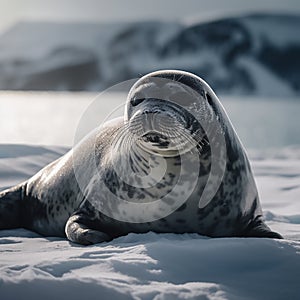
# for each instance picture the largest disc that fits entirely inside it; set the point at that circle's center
(255, 54)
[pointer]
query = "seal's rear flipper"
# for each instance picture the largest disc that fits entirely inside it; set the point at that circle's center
(78, 231)
(11, 207)
(259, 229)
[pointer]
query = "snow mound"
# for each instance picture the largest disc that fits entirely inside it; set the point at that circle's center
(149, 266)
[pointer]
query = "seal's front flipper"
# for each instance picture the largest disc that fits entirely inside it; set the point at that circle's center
(78, 231)
(260, 229)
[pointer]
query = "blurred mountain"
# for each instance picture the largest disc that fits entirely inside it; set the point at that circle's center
(254, 54)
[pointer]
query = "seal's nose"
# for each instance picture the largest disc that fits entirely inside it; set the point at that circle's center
(148, 119)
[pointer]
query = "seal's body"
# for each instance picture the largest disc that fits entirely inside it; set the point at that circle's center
(173, 164)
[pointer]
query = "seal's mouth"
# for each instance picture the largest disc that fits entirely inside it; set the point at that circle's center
(156, 138)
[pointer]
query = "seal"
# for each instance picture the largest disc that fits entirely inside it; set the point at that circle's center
(173, 164)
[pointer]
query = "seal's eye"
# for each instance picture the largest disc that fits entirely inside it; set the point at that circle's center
(136, 101)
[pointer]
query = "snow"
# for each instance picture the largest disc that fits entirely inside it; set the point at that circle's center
(152, 266)
(266, 81)
(276, 30)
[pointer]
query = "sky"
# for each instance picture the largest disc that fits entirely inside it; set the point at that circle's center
(12, 11)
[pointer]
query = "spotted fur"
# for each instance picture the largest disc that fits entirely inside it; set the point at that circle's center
(52, 202)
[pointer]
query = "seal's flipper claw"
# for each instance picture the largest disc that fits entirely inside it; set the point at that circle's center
(260, 229)
(80, 233)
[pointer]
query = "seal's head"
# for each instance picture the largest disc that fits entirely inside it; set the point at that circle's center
(165, 111)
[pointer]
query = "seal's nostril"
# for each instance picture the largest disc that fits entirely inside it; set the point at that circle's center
(136, 101)
(146, 112)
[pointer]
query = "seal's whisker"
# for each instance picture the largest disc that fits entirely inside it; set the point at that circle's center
(172, 132)
(178, 80)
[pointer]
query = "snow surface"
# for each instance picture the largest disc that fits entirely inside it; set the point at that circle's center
(158, 266)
